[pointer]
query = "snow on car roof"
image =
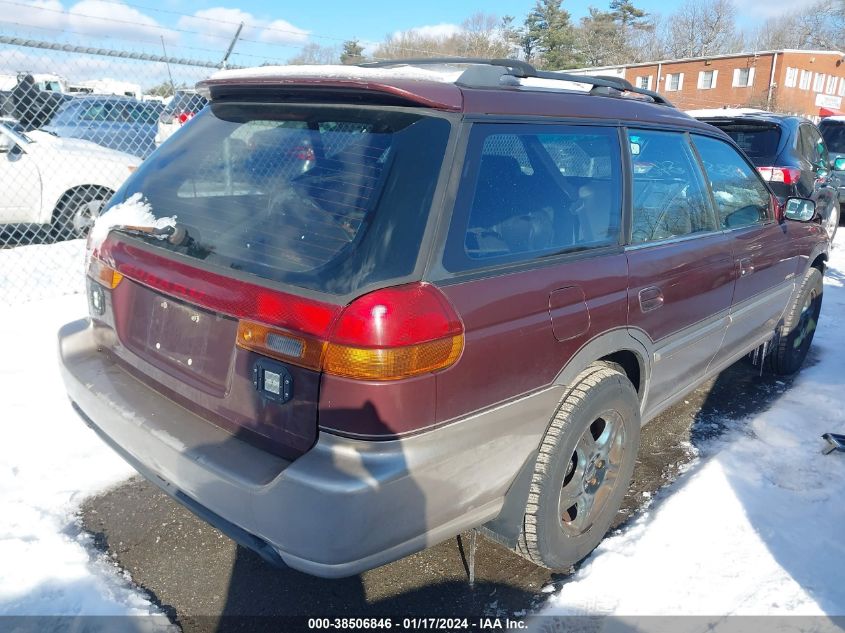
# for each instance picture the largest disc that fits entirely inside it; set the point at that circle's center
(341, 72)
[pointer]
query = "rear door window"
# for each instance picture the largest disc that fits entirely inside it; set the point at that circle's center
(327, 198)
(742, 199)
(530, 191)
(834, 135)
(669, 197)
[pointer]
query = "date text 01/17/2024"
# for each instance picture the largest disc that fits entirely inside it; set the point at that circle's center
(418, 624)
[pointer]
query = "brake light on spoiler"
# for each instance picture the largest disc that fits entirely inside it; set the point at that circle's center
(388, 334)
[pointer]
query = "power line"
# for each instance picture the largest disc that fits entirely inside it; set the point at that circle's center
(52, 29)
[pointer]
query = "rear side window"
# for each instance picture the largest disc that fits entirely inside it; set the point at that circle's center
(530, 191)
(740, 195)
(813, 147)
(669, 195)
(834, 136)
(325, 198)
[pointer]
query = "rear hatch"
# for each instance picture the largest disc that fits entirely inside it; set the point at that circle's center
(283, 214)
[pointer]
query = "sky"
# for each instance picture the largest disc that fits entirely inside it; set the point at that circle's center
(277, 30)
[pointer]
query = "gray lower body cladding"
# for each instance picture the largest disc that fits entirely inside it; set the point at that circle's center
(343, 507)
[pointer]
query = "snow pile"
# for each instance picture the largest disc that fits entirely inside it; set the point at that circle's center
(758, 527)
(49, 462)
(340, 72)
(135, 211)
(41, 271)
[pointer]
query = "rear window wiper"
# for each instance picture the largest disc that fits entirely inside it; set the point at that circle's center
(177, 236)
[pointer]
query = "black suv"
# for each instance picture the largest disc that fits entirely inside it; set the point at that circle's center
(833, 132)
(791, 154)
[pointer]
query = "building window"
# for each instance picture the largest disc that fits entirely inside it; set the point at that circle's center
(674, 81)
(806, 76)
(818, 82)
(842, 88)
(791, 78)
(644, 82)
(707, 79)
(744, 77)
(830, 88)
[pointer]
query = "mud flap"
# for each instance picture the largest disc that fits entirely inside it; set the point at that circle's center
(835, 441)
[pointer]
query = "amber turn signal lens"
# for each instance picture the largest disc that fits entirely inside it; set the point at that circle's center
(104, 275)
(392, 363)
(279, 344)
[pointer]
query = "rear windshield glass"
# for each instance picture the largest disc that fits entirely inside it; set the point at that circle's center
(325, 198)
(833, 133)
(759, 141)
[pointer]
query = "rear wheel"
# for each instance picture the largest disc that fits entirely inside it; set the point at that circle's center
(583, 469)
(76, 212)
(799, 325)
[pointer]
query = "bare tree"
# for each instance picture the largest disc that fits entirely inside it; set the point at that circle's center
(480, 35)
(646, 44)
(483, 37)
(702, 28)
(601, 40)
(820, 26)
(313, 53)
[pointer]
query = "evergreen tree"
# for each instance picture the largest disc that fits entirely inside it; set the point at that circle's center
(550, 26)
(352, 53)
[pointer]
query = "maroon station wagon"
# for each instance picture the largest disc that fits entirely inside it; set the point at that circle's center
(457, 314)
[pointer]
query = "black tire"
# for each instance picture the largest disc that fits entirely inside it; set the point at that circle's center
(795, 335)
(602, 401)
(65, 224)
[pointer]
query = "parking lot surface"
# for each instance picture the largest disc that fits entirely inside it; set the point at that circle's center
(199, 577)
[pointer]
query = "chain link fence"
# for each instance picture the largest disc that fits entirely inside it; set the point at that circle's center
(75, 122)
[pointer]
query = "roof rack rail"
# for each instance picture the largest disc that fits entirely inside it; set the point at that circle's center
(602, 85)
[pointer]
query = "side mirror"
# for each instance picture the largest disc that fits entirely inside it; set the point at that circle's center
(839, 164)
(800, 209)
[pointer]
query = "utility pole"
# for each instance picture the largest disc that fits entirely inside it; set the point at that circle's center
(167, 63)
(224, 62)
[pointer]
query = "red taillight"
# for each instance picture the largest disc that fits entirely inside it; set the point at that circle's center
(303, 153)
(387, 334)
(786, 175)
(402, 315)
(182, 117)
(395, 333)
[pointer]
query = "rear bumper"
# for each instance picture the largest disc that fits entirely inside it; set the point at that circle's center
(343, 507)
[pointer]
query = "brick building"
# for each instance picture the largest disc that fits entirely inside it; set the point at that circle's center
(809, 83)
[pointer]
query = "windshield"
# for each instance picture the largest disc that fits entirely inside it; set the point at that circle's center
(326, 198)
(833, 133)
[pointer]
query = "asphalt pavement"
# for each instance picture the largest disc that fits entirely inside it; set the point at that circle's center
(199, 577)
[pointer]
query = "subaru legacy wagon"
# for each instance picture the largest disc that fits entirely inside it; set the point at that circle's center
(457, 314)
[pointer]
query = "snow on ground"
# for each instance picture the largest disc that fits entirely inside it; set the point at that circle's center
(757, 526)
(49, 460)
(41, 271)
